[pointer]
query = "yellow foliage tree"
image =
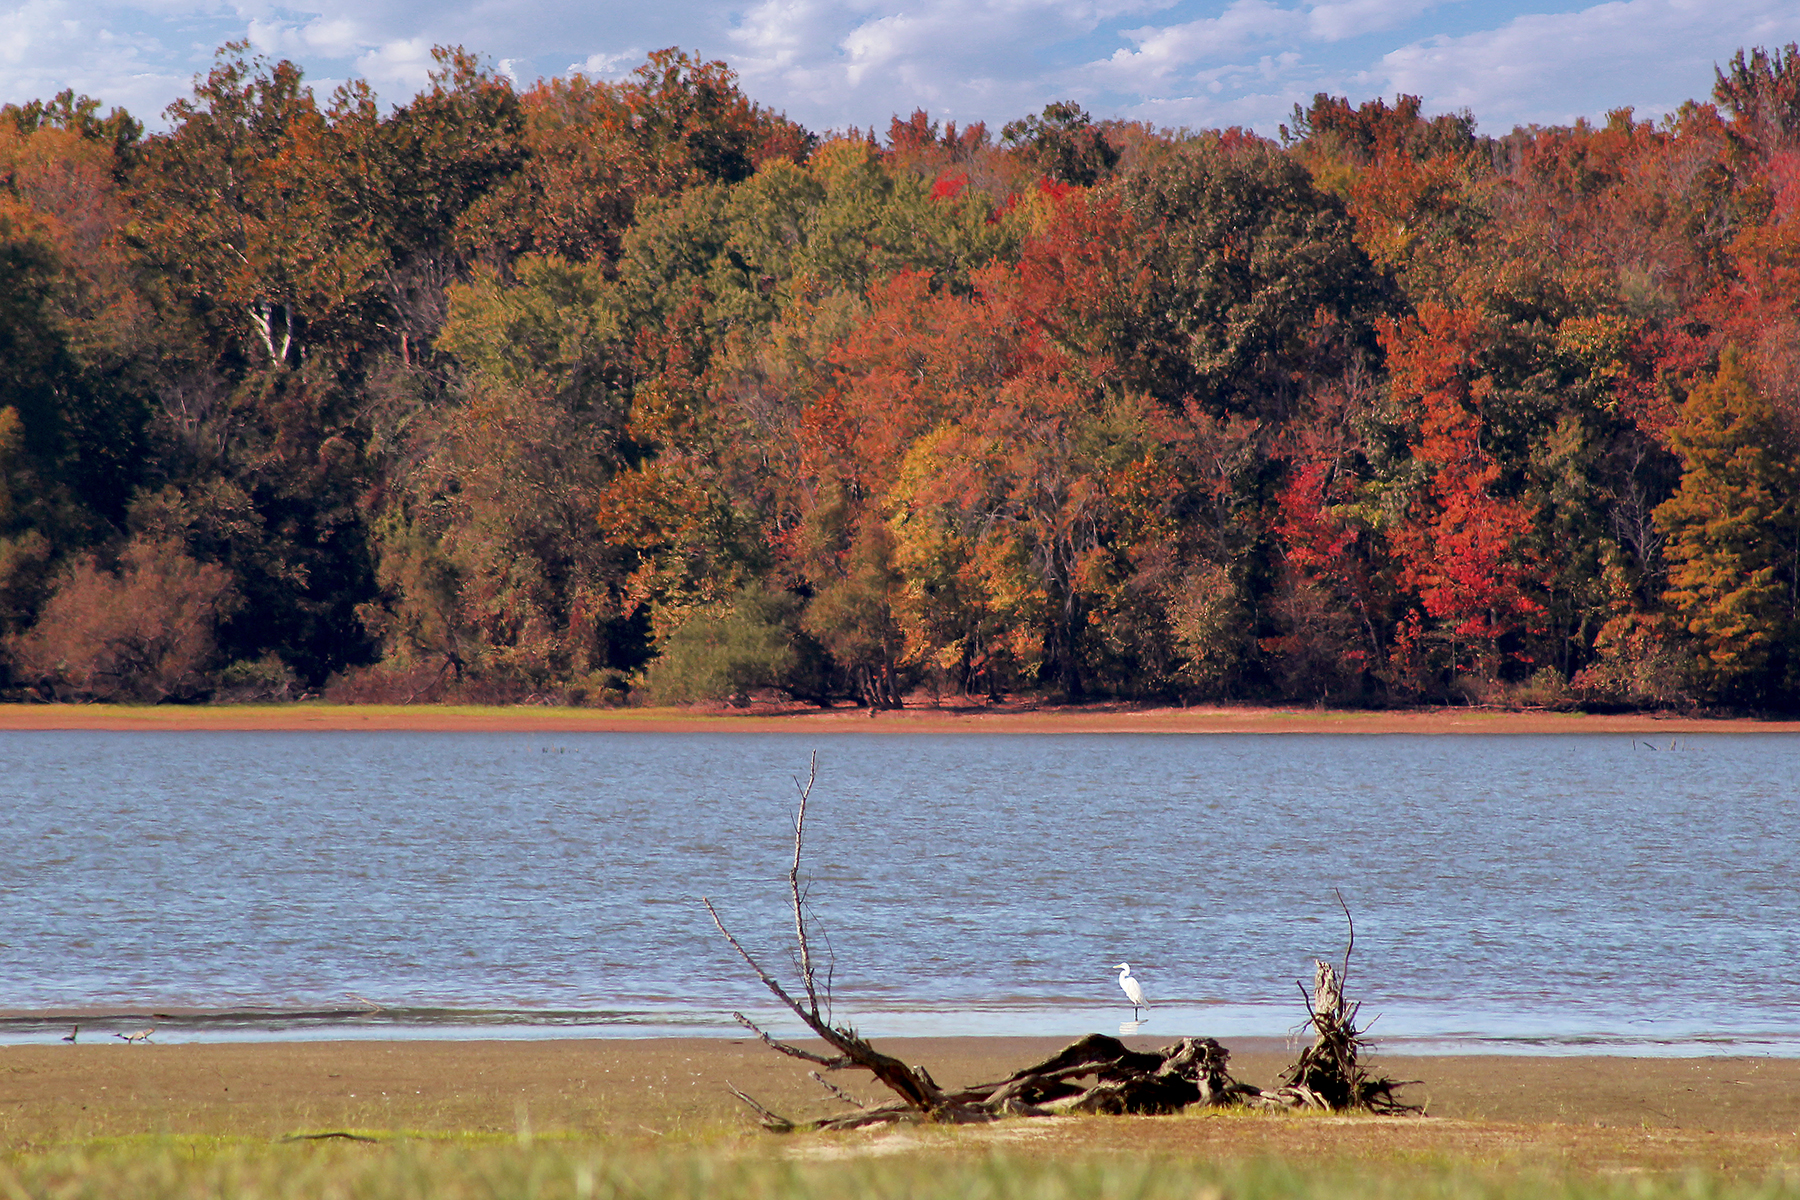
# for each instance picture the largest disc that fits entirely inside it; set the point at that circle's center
(1733, 529)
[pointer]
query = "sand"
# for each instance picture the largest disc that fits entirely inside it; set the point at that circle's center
(1012, 717)
(1738, 1113)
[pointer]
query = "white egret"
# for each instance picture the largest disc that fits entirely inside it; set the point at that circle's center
(1132, 991)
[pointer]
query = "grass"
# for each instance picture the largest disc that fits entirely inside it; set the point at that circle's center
(594, 1118)
(453, 1170)
(1021, 714)
(1094, 1159)
(179, 713)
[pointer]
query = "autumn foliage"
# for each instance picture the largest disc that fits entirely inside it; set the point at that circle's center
(601, 391)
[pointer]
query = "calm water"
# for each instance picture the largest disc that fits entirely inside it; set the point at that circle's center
(1509, 892)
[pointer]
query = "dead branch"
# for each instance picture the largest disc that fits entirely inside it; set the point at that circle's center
(800, 937)
(837, 1091)
(1350, 941)
(769, 981)
(772, 1121)
(834, 1064)
(916, 1089)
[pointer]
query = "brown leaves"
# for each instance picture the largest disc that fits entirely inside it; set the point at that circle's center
(143, 632)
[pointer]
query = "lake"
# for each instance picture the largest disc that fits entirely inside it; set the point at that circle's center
(1541, 893)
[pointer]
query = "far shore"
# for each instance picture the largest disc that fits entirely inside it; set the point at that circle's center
(1012, 717)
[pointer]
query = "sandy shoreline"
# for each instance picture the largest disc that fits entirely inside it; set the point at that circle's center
(1738, 1111)
(472, 1084)
(1009, 718)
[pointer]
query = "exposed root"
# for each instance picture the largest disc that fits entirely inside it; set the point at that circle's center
(1097, 1074)
(1329, 1073)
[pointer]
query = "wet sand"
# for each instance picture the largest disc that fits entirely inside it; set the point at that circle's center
(1740, 1113)
(1011, 717)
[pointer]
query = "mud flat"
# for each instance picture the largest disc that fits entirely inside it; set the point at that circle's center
(1012, 717)
(1737, 1114)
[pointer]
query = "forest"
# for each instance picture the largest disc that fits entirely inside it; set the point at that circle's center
(604, 392)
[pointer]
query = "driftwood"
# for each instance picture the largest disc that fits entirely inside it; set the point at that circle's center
(1188, 1073)
(1097, 1074)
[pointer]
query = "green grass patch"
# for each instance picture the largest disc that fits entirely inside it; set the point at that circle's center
(408, 1169)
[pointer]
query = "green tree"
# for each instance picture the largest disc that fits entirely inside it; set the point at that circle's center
(1761, 92)
(406, 191)
(237, 214)
(725, 651)
(80, 116)
(851, 615)
(491, 561)
(1258, 284)
(596, 150)
(68, 434)
(1064, 144)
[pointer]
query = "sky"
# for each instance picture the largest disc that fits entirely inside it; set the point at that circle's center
(834, 65)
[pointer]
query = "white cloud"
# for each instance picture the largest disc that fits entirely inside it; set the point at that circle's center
(398, 68)
(1333, 22)
(333, 37)
(962, 60)
(1551, 68)
(1162, 52)
(609, 66)
(1530, 67)
(777, 30)
(1249, 44)
(49, 45)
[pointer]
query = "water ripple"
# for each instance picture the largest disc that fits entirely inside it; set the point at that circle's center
(1532, 891)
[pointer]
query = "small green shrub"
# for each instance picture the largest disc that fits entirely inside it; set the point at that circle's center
(754, 643)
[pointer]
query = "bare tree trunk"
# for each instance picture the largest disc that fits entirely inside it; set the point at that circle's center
(263, 312)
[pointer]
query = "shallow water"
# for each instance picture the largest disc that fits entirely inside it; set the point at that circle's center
(1510, 892)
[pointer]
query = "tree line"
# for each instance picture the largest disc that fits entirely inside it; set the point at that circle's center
(593, 391)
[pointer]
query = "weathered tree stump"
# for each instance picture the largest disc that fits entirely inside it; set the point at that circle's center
(1329, 1073)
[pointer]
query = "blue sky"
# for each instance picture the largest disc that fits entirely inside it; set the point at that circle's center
(1196, 63)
